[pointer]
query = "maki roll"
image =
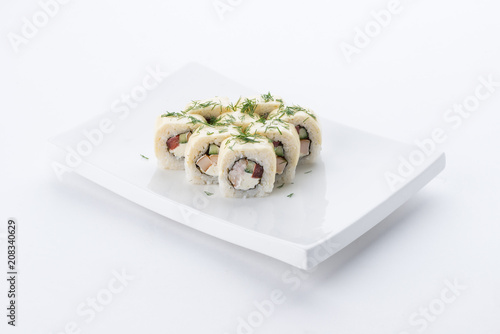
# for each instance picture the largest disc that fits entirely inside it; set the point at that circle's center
(210, 109)
(260, 106)
(307, 127)
(247, 166)
(286, 146)
(202, 153)
(172, 134)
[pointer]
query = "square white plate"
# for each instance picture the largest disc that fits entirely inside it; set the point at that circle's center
(344, 195)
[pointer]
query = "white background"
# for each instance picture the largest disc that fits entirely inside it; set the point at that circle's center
(74, 234)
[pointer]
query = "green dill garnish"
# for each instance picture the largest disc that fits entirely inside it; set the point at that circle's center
(292, 110)
(267, 97)
(276, 124)
(145, 157)
(282, 104)
(290, 195)
(194, 120)
(224, 120)
(196, 105)
(234, 106)
(173, 114)
(248, 106)
(270, 127)
(246, 137)
(208, 193)
(199, 129)
(261, 120)
(231, 117)
(308, 172)
(281, 186)
(210, 133)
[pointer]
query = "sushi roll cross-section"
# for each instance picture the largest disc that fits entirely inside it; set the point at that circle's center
(307, 127)
(286, 145)
(202, 153)
(173, 132)
(247, 166)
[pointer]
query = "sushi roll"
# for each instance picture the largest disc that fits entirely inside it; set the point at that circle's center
(261, 105)
(202, 153)
(173, 131)
(210, 109)
(307, 126)
(286, 146)
(247, 166)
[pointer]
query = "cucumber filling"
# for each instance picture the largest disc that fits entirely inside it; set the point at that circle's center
(280, 160)
(302, 132)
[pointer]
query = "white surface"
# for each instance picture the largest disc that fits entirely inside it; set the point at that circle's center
(74, 234)
(343, 194)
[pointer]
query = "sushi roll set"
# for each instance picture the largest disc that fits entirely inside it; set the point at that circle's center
(246, 147)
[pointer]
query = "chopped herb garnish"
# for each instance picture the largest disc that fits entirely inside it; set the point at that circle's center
(282, 104)
(248, 106)
(208, 193)
(308, 172)
(145, 157)
(289, 196)
(196, 105)
(245, 137)
(281, 186)
(267, 97)
(194, 120)
(234, 106)
(173, 114)
(292, 110)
